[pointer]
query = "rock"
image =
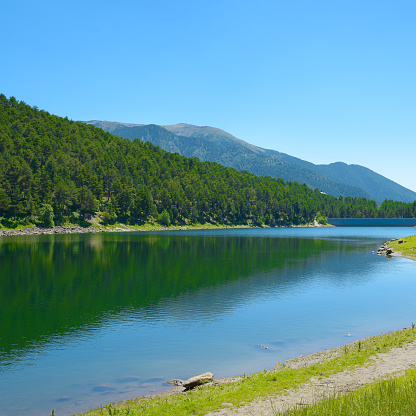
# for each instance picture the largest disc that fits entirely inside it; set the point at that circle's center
(384, 250)
(193, 381)
(176, 382)
(198, 380)
(59, 229)
(400, 241)
(279, 365)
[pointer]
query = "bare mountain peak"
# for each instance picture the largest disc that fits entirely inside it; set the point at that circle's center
(212, 134)
(110, 126)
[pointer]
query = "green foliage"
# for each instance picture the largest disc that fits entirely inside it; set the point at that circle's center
(321, 219)
(78, 169)
(397, 209)
(215, 145)
(87, 203)
(165, 218)
(109, 216)
(46, 215)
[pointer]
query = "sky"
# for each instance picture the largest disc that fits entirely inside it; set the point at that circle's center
(324, 81)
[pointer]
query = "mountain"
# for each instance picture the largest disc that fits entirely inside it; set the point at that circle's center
(57, 170)
(215, 145)
(380, 187)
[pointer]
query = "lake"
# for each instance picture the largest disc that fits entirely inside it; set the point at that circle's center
(96, 318)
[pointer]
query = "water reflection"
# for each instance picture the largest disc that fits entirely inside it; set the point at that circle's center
(57, 285)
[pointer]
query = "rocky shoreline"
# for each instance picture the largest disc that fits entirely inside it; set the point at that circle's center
(75, 229)
(385, 250)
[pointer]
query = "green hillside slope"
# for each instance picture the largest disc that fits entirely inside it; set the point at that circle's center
(372, 184)
(380, 187)
(55, 169)
(215, 145)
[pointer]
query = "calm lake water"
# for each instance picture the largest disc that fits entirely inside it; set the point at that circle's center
(89, 319)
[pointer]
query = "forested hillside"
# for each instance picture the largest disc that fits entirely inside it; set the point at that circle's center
(215, 145)
(335, 178)
(54, 167)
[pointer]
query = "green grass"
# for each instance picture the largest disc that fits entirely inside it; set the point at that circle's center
(407, 248)
(209, 398)
(156, 226)
(395, 396)
(16, 227)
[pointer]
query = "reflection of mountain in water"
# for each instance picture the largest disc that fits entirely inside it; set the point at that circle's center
(54, 285)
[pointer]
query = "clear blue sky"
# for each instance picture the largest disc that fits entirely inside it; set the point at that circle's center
(325, 81)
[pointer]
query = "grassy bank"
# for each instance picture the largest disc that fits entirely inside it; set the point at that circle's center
(406, 248)
(160, 227)
(395, 396)
(249, 388)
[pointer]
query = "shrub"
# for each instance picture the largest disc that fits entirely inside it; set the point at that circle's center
(46, 216)
(165, 218)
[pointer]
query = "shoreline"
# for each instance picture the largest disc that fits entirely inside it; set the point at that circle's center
(291, 363)
(77, 229)
(386, 355)
(391, 248)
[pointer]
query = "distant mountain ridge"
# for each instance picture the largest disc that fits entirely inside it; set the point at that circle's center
(215, 145)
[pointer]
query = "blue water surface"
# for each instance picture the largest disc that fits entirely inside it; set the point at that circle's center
(93, 319)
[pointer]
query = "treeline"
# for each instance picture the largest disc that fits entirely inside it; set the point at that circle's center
(56, 170)
(397, 209)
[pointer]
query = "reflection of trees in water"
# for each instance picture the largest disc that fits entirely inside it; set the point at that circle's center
(52, 285)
